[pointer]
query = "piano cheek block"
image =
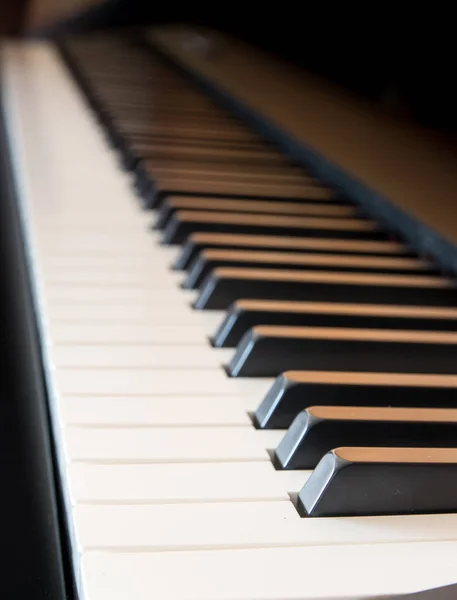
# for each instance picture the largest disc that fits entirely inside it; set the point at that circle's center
(351, 482)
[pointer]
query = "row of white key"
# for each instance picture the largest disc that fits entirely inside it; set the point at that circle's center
(173, 492)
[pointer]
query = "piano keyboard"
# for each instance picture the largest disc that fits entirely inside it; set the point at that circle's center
(186, 437)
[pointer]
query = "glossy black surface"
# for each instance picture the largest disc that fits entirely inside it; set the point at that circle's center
(178, 230)
(167, 209)
(204, 265)
(339, 487)
(192, 248)
(239, 320)
(309, 438)
(218, 292)
(286, 398)
(261, 355)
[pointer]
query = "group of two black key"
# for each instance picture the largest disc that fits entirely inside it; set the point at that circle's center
(359, 333)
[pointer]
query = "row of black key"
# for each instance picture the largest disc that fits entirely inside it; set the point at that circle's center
(308, 284)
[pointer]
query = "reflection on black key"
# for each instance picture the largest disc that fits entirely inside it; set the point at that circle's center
(185, 222)
(266, 351)
(211, 259)
(381, 481)
(196, 169)
(295, 391)
(208, 178)
(318, 429)
(244, 314)
(198, 241)
(156, 191)
(211, 152)
(225, 285)
(301, 209)
(133, 126)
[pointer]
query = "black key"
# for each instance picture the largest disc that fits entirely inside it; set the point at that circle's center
(295, 391)
(225, 285)
(131, 126)
(211, 152)
(318, 429)
(266, 351)
(165, 177)
(381, 481)
(281, 208)
(244, 314)
(154, 191)
(183, 223)
(223, 177)
(211, 259)
(167, 122)
(193, 170)
(198, 241)
(199, 143)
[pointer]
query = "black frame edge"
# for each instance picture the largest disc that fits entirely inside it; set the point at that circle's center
(35, 561)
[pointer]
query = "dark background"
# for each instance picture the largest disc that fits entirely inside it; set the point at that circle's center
(404, 61)
(401, 59)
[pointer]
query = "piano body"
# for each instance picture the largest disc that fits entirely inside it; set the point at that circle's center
(230, 328)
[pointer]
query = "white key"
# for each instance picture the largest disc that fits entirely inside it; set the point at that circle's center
(125, 224)
(98, 244)
(268, 574)
(243, 525)
(121, 218)
(178, 314)
(191, 482)
(170, 444)
(108, 234)
(77, 239)
(80, 252)
(128, 333)
(158, 411)
(94, 261)
(122, 382)
(154, 280)
(115, 295)
(145, 356)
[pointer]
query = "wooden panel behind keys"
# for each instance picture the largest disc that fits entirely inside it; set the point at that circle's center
(402, 173)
